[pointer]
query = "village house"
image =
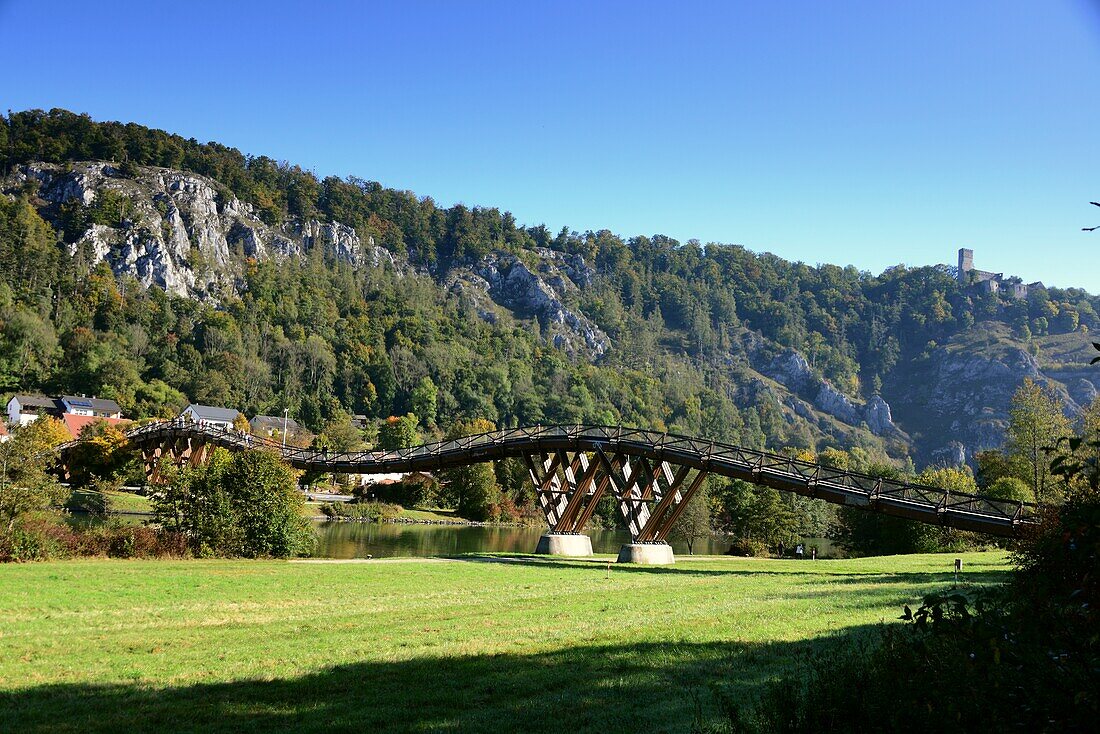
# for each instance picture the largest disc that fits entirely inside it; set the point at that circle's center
(24, 409)
(209, 415)
(4, 435)
(75, 412)
(93, 406)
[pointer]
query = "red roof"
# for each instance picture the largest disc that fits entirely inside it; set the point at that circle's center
(3, 429)
(75, 423)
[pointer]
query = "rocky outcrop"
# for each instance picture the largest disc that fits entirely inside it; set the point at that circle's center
(540, 293)
(832, 401)
(879, 417)
(790, 369)
(182, 232)
(962, 397)
(953, 454)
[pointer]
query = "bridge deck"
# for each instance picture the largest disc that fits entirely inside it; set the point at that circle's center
(897, 498)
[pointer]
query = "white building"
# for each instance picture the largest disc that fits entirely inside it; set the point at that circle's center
(24, 409)
(209, 415)
(93, 406)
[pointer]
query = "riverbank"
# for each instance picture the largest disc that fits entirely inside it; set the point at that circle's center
(465, 645)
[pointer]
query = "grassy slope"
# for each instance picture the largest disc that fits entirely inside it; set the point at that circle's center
(116, 501)
(422, 645)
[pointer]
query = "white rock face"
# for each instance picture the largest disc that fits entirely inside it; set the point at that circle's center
(337, 240)
(835, 403)
(877, 415)
(181, 234)
(512, 284)
(791, 370)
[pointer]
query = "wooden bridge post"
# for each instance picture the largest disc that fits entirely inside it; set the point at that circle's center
(562, 487)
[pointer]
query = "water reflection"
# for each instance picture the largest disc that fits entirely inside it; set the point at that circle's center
(382, 540)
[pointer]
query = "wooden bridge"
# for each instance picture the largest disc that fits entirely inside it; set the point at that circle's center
(651, 476)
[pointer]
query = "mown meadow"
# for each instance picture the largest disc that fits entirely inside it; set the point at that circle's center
(477, 643)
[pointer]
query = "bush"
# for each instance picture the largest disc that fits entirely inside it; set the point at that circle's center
(959, 665)
(244, 504)
(36, 538)
(1020, 658)
(46, 536)
(747, 547)
(414, 491)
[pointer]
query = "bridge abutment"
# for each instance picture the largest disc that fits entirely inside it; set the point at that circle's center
(650, 554)
(564, 544)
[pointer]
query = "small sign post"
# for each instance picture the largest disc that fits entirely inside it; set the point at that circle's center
(958, 567)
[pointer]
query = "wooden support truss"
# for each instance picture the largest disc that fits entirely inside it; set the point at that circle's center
(178, 451)
(650, 494)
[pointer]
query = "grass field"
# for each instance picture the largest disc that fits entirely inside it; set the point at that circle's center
(476, 644)
(113, 501)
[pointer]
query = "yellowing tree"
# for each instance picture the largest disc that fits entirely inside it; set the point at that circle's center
(1037, 425)
(25, 482)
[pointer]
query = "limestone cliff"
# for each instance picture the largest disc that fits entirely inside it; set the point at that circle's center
(957, 400)
(181, 231)
(184, 233)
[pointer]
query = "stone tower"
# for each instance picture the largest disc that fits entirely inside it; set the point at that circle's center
(966, 263)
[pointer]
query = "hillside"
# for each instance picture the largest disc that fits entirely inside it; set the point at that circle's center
(155, 270)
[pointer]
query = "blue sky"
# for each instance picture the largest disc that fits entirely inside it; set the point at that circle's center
(867, 133)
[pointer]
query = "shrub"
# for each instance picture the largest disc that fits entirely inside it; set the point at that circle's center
(1020, 658)
(414, 491)
(244, 504)
(747, 547)
(47, 536)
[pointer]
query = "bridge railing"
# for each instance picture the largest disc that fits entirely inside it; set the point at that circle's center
(710, 455)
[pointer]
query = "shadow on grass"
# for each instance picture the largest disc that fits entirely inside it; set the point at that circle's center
(635, 688)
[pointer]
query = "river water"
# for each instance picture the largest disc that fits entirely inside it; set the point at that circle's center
(386, 540)
(381, 540)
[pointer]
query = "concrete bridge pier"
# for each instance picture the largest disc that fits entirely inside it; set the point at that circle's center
(650, 554)
(564, 544)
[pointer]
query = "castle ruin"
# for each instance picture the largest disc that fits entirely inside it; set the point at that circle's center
(969, 276)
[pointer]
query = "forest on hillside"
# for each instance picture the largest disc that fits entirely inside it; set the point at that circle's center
(323, 338)
(328, 340)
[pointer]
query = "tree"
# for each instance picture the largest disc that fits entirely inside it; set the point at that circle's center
(192, 502)
(993, 465)
(339, 435)
(472, 489)
(424, 398)
(25, 460)
(753, 513)
(243, 504)
(1037, 423)
(102, 453)
(1009, 488)
(31, 347)
(694, 522)
(266, 505)
(398, 433)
